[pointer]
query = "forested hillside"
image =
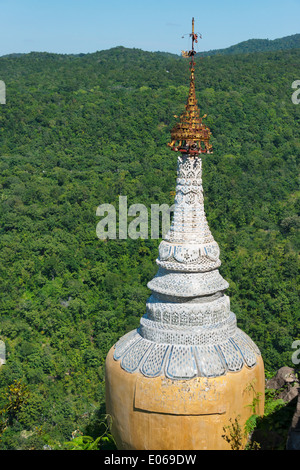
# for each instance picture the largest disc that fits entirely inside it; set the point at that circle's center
(259, 45)
(77, 132)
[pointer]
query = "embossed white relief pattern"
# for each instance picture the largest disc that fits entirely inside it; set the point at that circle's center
(188, 329)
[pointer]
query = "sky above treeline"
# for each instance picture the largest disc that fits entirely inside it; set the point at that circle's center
(85, 26)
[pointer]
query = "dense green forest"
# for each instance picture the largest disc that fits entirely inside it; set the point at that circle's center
(259, 45)
(77, 132)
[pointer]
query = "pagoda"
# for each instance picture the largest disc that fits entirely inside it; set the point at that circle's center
(187, 372)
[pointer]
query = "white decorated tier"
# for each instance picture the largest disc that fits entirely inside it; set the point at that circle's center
(188, 329)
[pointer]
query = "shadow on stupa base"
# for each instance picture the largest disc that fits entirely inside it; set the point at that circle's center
(163, 414)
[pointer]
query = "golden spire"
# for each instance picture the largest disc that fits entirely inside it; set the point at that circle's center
(190, 135)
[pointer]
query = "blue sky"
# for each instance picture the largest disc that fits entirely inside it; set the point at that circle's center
(74, 26)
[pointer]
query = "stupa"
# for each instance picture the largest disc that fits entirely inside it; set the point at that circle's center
(187, 372)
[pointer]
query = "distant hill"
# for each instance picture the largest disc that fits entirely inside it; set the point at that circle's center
(258, 45)
(245, 47)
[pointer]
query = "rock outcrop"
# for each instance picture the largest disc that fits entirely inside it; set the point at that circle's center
(287, 382)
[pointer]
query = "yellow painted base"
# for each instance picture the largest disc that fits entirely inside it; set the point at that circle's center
(163, 414)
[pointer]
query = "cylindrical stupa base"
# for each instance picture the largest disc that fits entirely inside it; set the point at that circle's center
(163, 414)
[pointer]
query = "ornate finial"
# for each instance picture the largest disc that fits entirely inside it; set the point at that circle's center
(190, 135)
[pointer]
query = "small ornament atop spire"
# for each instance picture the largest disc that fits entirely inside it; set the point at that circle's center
(190, 135)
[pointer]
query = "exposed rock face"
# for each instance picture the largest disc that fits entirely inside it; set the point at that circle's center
(293, 441)
(285, 375)
(287, 381)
